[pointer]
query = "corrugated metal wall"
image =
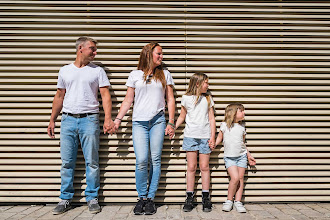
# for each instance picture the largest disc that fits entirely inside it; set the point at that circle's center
(273, 56)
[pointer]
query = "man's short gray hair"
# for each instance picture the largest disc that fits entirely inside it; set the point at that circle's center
(83, 40)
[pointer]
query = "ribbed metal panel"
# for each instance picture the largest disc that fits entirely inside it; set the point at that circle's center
(272, 56)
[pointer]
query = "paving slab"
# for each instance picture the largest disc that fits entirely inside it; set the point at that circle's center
(311, 213)
(4, 208)
(39, 213)
(174, 213)
(300, 217)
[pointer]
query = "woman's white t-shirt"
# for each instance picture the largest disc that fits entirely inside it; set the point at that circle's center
(149, 99)
(233, 140)
(197, 118)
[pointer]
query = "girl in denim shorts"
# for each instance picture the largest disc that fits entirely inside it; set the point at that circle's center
(232, 133)
(199, 136)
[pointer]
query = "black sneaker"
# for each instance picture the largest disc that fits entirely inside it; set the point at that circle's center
(150, 207)
(139, 207)
(207, 205)
(63, 206)
(189, 203)
(93, 206)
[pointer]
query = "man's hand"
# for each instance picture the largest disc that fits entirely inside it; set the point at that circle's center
(51, 129)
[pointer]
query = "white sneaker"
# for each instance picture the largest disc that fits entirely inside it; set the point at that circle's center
(227, 206)
(239, 207)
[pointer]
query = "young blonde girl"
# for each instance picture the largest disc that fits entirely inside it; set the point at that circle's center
(199, 136)
(232, 133)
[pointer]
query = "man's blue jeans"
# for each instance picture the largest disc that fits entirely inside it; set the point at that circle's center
(87, 130)
(148, 138)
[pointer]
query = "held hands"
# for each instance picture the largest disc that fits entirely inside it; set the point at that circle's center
(212, 144)
(107, 126)
(169, 130)
(114, 128)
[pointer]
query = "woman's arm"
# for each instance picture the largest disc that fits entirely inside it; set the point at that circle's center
(171, 111)
(125, 105)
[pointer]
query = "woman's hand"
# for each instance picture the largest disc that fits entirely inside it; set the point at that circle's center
(115, 126)
(170, 131)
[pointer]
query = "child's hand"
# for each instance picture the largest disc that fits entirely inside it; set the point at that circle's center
(251, 160)
(211, 144)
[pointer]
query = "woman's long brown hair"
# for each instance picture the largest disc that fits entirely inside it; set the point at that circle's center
(146, 63)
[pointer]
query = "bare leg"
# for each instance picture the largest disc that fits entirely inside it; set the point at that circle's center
(234, 180)
(205, 170)
(191, 169)
(240, 186)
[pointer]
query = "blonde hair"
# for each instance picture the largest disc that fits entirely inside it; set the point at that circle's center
(146, 62)
(82, 40)
(230, 114)
(195, 87)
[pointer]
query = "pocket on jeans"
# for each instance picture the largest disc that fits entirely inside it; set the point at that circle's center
(63, 117)
(93, 118)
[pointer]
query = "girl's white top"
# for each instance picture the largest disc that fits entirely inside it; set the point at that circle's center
(197, 118)
(149, 99)
(233, 140)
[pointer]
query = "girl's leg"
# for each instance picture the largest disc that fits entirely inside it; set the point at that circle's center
(205, 170)
(240, 186)
(234, 180)
(191, 170)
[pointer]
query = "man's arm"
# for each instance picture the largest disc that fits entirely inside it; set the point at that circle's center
(107, 107)
(56, 109)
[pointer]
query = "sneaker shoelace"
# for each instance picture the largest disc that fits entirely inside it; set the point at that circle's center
(93, 201)
(64, 202)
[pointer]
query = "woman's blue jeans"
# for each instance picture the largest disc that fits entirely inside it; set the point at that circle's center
(148, 138)
(87, 130)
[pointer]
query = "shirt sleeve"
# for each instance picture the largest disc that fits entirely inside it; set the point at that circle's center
(183, 101)
(211, 102)
(130, 82)
(60, 81)
(168, 76)
(103, 78)
(223, 127)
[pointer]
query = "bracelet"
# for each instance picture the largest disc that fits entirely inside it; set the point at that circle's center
(118, 119)
(171, 124)
(171, 119)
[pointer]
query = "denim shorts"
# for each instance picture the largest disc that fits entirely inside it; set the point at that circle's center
(240, 161)
(194, 144)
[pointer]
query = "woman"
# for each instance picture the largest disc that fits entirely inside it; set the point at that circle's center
(147, 86)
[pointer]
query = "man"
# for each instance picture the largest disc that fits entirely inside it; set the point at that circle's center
(77, 94)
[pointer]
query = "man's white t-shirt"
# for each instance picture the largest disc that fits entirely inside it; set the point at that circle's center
(81, 85)
(197, 118)
(233, 140)
(149, 99)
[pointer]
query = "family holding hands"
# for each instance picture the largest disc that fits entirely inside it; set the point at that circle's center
(149, 87)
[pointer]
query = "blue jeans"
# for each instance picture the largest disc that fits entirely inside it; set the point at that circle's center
(148, 138)
(87, 130)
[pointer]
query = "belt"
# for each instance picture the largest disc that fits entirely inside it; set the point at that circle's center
(80, 115)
